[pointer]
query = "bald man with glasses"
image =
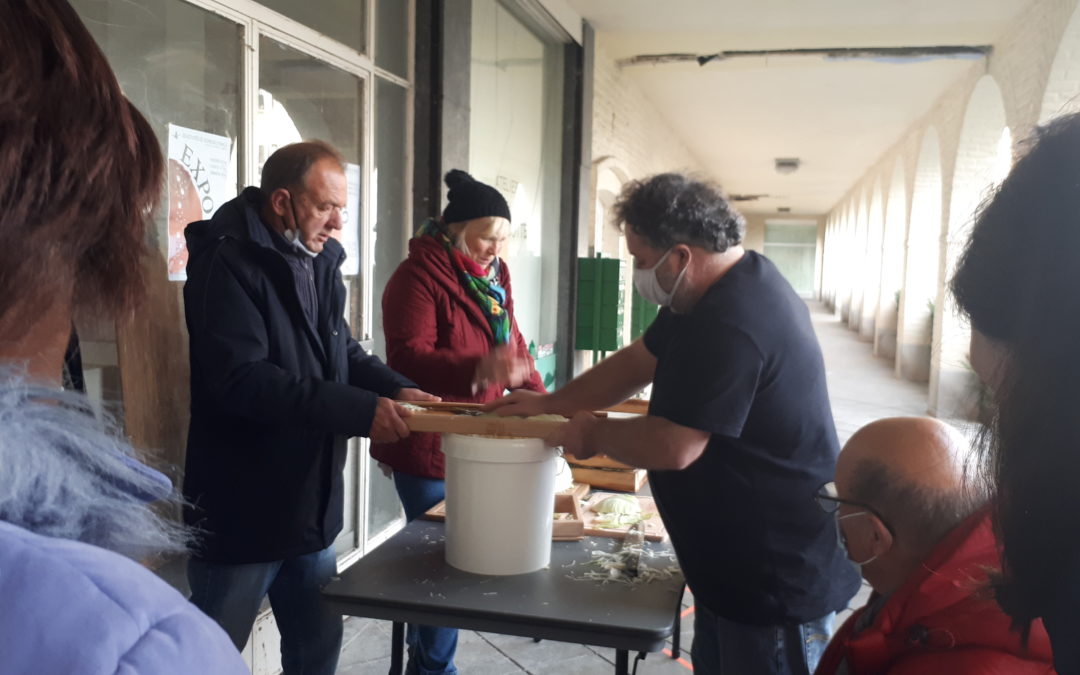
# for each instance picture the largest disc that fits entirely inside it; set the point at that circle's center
(912, 517)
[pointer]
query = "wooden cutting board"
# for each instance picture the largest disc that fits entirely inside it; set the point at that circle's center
(448, 417)
(653, 525)
(450, 422)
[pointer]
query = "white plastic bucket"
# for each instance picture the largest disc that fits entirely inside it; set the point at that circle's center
(499, 503)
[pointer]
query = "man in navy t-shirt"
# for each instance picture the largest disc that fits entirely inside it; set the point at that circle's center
(739, 434)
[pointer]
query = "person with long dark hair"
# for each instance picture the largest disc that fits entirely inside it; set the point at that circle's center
(80, 170)
(1019, 282)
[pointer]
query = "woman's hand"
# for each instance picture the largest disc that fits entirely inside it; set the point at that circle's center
(503, 367)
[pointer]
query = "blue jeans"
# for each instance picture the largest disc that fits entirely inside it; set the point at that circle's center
(431, 648)
(310, 630)
(723, 647)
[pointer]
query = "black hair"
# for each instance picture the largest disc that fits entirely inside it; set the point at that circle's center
(1019, 282)
(671, 208)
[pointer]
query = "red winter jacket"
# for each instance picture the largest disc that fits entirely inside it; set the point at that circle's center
(436, 334)
(943, 621)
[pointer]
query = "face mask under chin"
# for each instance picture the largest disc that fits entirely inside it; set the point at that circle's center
(295, 237)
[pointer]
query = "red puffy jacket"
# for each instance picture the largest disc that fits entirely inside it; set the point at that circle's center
(436, 334)
(942, 620)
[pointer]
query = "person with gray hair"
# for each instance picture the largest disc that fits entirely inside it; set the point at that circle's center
(920, 532)
(739, 425)
(278, 385)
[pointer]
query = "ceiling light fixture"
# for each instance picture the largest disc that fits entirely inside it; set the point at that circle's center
(787, 165)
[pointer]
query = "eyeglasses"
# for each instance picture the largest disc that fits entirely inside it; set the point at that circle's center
(828, 501)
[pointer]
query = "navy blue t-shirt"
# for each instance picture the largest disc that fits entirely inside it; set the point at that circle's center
(745, 366)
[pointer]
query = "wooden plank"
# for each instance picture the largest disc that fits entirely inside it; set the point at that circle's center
(633, 406)
(487, 425)
(598, 462)
(624, 480)
(573, 527)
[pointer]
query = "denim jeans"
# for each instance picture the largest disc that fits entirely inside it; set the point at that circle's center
(431, 648)
(310, 630)
(723, 647)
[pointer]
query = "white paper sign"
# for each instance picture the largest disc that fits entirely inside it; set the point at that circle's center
(198, 184)
(349, 236)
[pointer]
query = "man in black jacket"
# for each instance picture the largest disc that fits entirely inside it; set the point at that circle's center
(278, 385)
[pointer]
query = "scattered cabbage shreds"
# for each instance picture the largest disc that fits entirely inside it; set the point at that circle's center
(612, 565)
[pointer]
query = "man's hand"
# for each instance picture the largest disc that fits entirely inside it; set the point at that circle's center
(522, 403)
(573, 437)
(388, 425)
(411, 394)
(502, 366)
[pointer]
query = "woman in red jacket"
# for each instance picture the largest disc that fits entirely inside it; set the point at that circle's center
(448, 316)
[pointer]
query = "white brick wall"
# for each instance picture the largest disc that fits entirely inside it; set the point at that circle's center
(631, 139)
(1036, 65)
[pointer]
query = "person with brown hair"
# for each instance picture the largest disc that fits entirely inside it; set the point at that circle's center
(278, 385)
(76, 185)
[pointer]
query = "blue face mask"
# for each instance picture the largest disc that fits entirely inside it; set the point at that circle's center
(649, 287)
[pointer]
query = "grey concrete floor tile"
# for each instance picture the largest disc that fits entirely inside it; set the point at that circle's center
(366, 640)
(535, 657)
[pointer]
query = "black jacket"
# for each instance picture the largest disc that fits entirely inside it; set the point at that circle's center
(273, 401)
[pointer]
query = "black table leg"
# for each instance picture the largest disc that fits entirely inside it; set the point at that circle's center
(397, 648)
(622, 662)
(676, 637)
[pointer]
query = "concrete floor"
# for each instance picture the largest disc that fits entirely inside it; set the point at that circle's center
(862, 388)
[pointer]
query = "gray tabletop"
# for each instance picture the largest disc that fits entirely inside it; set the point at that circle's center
(407, 579)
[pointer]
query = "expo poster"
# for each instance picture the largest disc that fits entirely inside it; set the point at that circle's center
(198, 184)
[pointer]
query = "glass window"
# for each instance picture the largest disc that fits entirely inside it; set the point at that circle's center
(515, 144)
(388, 187)
(180, 66)
(392, 231)
(392, 36)
(302, 98)
(341, 20)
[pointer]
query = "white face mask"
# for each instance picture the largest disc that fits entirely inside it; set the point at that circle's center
(648, 285)
(293, 236)
(843, 539)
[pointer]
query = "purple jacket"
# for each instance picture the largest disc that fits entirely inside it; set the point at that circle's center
(69, 607)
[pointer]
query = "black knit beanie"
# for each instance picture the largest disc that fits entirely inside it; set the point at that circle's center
(469, 198)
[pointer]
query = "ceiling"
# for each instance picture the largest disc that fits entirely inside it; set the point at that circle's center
(838, 117)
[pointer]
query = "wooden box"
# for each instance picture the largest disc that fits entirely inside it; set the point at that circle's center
(623, 480)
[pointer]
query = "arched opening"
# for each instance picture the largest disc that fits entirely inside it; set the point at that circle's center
(892, 265)
(1062, 93)
(921, 274)
(847, 280)
(826, 272)
(871, 283)
(858, 263)
(983, 159)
